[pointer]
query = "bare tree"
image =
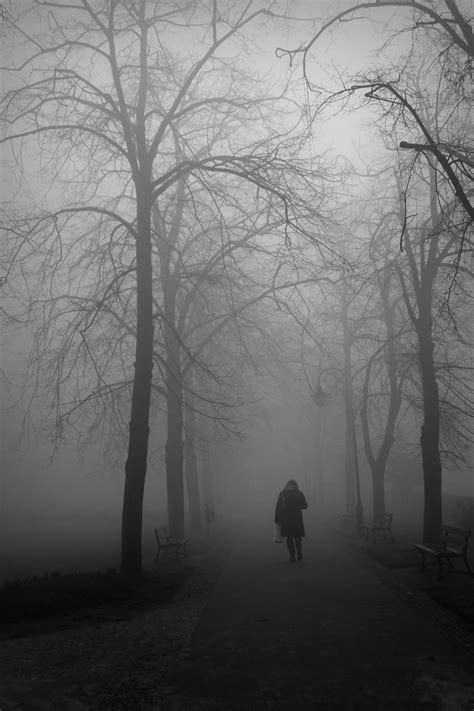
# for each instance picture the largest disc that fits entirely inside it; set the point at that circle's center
(386, 366)
(447, 17)
(443, 26)
(83, 83)
(424, 106)
(429, 249)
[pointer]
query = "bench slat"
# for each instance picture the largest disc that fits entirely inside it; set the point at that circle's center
(457, 531)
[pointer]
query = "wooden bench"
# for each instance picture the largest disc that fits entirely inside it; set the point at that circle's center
(453, 545)
(380, 528)
(167, 546)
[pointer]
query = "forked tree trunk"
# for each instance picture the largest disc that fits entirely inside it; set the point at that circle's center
(378, 460)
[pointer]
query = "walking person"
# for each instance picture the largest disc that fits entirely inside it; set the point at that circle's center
(289, 515)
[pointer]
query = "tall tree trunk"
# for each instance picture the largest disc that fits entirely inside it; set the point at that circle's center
(429, 440)
(136, 465)
(170, 277)
(206, 463)
(423, 276)
(174, 444)
(378, 460)
(350, 453)
(378, 489)
(320, 495)
(191, 469)
(174, 415)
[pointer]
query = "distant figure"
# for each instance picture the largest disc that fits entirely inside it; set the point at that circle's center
(289, 514)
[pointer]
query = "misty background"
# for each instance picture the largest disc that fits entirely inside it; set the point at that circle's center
(294, 263)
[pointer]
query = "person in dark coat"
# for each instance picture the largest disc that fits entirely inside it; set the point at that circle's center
(289, 514)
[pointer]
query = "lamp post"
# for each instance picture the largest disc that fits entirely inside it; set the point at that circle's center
(320, 397)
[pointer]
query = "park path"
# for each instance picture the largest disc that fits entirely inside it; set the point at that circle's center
(326, 633)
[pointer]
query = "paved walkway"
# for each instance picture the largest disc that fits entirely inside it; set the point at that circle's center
(322, 634)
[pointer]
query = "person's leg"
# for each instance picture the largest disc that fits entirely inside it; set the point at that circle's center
(299, 547)
(291, 547)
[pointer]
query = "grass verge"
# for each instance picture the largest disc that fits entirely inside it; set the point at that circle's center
(55, 593)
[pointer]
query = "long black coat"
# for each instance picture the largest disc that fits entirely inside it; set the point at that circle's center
(289, 512)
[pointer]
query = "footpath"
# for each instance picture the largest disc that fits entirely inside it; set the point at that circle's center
(354, 627)
(336, 631)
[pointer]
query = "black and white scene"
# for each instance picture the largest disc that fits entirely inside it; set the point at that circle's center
(236, 355)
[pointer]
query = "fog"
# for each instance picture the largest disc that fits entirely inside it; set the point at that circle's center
(61, 508)
(64, 513)
(62, 485)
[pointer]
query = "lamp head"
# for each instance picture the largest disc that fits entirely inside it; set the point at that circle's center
(319, 396)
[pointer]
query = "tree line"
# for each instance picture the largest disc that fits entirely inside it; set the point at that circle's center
(179, 211)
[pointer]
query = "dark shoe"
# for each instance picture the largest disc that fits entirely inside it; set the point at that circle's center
(300, 556)
(292, 559)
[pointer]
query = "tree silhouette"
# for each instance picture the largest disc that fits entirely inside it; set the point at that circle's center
(97, 99)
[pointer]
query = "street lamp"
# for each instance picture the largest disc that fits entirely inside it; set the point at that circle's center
(320, 397)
